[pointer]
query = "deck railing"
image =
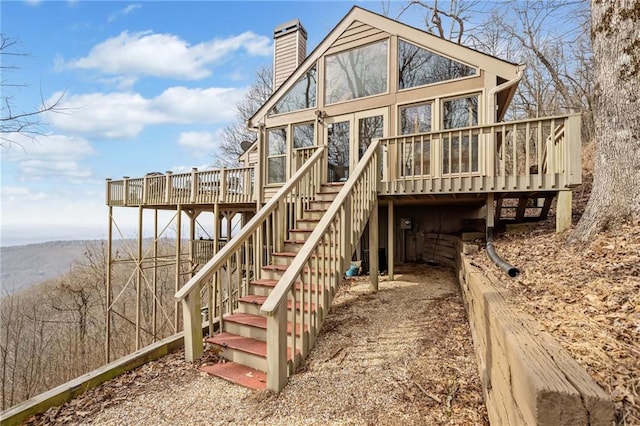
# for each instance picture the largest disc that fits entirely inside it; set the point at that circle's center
(312, 278)
(219, 282)
(525, 155)
(234, 185)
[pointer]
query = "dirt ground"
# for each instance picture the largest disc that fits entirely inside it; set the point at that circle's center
(402, 355)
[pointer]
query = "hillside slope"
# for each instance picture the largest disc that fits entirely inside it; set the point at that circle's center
(23, 266)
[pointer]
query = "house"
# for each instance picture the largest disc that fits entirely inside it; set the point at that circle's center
(380, 141)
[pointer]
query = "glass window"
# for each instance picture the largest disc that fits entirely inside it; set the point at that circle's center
(356, 73)
(303, 135)
(415, 119)
(276, 160)
(461, 112)
(301, 96)
(369, 128)
(418, 66)
(338, 151)
(460, 152)
(416, 151)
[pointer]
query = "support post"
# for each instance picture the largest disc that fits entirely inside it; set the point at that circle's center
(192, 237)
(191, 317)
(373, 247)
(491, 214)
(176, 316)
(107, 346)
(139, 279)
(154, 306)
(277, 349)
(563, 211)
(391, 235)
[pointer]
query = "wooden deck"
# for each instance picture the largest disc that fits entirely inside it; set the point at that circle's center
(535, 155)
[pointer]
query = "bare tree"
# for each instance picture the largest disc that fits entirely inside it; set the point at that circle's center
(449, 23)
(13, 120)
(234, 134)
(615, 196)
(552, 39)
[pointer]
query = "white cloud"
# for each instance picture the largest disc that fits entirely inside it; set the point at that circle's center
(50, 157)
(198, 105)
(125, 114)
(199, 143)
(166, 55)
(21, 193)
(123, 12)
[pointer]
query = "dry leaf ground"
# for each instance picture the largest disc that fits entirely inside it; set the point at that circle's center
(402, 355)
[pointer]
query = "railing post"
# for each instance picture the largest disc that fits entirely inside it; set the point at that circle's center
(145, 189)
(373, 246)
(277, 349)
(194, 184)
(223, 184)
(125, 190)
(167, 187)
(192, 320)
(108, 194)
(573, 150)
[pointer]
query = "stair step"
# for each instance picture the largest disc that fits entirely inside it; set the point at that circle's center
(247, 351)
(256, 321)
(259, 300)
(238, 373)
(269, 283)
(239, 343)
(308, 223)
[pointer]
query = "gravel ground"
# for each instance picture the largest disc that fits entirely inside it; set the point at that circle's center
(403, 355)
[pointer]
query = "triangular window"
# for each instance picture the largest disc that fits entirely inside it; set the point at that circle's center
(418, 67)
(301, 96)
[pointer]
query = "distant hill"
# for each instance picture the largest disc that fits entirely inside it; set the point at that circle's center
(23, 266)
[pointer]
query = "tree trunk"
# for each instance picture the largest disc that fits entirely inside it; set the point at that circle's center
(615, 196)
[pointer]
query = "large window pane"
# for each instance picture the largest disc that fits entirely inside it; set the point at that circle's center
(276, 161)
(275, 167)
(457, 113)
(301, 96)
(369, 128)
(338, 151)
(303, 135)
(356, 73)
(415, 119)
(416, 151)
(461, 112)
(418, 66)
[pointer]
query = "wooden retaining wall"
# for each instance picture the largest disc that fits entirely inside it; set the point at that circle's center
(527, 377)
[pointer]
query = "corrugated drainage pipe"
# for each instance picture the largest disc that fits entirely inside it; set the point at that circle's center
(491, 252)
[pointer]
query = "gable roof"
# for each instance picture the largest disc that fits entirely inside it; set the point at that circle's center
(371, 23)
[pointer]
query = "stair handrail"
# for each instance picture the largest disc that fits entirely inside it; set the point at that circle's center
(275, 305)
(189, 294)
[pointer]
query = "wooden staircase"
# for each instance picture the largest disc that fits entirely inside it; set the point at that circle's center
(242, 338)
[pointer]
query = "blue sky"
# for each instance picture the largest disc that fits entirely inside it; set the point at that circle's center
(147, 87)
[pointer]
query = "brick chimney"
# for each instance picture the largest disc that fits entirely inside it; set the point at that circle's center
(290, 49)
